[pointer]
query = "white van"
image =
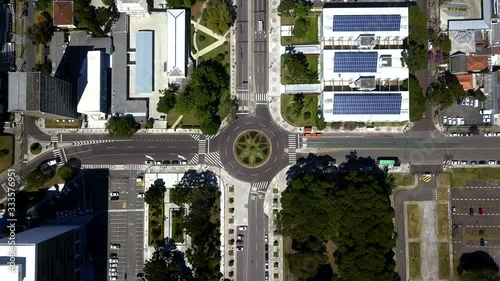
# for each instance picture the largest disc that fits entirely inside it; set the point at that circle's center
(261, 26)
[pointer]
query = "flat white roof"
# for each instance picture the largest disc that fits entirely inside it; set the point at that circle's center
(176, 42)
(354, 21)
(357, 64)
(366, 106)
(26, 265)
(90, 101)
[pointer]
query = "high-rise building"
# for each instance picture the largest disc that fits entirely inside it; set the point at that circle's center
(54, 252)
(39, 95)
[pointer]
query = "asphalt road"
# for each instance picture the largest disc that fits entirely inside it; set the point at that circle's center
(242, 50)
(260, 46)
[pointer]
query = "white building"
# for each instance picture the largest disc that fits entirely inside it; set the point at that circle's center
(53, 252)
(176, 46)
(93, 85)
(132, 7)
(361, 69)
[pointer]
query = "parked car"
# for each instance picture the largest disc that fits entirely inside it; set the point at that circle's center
(496, 134)
(113, 265)
(488, 134)
(113, 260)
(159, 162)
(239, 248)
(481, 242)
(114, 194)
(482, 162)
(113, 278)
(242, 227)
(480, 210)
(113, 255)
(461, 121)
(112, 269)
(267, 265)
(113, 274)
(115, 246)
(140, 195)
(166, 162)
(471, 211)
(454, 210)
(149, 162)
(175, 162)
(240, 237)
(455, 162)
(239, 242)
(445, 119)
(463, 162)
(265, 238)
(473, 162)
(492, 162)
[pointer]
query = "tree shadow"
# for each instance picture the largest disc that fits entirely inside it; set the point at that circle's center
(478, 260)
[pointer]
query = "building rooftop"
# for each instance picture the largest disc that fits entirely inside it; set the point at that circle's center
(477, 63)
(144, 62)
(466, 80)
(39, 234)
(467, 22)
(132, 6)
(176, 45)
(93, 83)
(63, 13)
(458, 63)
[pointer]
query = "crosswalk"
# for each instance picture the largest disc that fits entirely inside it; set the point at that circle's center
(195, 136)
(80, 143)
(261, 97)
(243, 95)
(292, 144)
(259, 187)
(209, 137)
(202, 146)
(194, 160)
(59, 153)
(54, 139)
(426, 178)
(213, 158)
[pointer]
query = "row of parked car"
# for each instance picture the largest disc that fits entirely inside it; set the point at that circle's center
(494, 134)
(469, 102)
(113, 264)
(453, 121)
(473, 162)
(165, 162)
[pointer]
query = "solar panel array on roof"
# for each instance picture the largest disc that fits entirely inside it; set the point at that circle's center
(366, 23)
(366, 104)
(355, 62)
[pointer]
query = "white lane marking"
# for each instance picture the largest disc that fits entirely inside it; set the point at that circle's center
(109, 147)
(151, 146)
(78, 152)
(130, 146)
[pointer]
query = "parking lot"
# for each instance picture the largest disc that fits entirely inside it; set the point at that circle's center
(125, 226)
(463, 114)
(476, 217)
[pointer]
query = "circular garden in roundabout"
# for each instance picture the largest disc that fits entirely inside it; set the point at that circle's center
(252, 149)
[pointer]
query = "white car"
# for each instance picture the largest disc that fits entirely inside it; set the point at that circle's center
(239, 248)
(455, 162)
(240, 237)
(496, 134)
(242, 227)
(492, 162)
(113, 260)
(113, 278)
(113, 274)
(488, 134)
(114, 194)
(454, 121)
(445, 119)
(267, 265)
(115, 246)
(113, 265)
(112, 269)
(453, 135)
(461, 121)
(140, 195)
(463, 162)
(149, 162)
(265, 238)
(450, 120)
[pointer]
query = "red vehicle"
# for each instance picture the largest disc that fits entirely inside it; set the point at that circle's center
(318, 134)
(306, 134)
(481, 211)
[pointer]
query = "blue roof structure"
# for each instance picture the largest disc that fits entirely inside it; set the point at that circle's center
(144, 62)
(364, 23)
(355, 62)
(366, 104)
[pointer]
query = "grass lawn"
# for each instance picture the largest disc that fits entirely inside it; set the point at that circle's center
(7, 142)
(442, 194)
(461, 175)
(222, 49)
(311, 36)
(188, 121)
(387, 124)
(443, 222)
(202, 44)
(178, 226)
(155, 221)
(299, 121)
(403, 179)
(415, 260)
(312, 62)
(445, 179)
(51, 123)
(414, 220)
(444, 260)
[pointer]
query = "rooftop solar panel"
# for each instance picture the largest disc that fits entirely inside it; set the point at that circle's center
(366, 104)
(355, 62)
(366, 23)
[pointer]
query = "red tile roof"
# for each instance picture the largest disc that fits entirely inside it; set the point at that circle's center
(477, 63)
(63, 13)
(466, 80)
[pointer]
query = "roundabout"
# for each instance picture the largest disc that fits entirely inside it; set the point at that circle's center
(252, 149)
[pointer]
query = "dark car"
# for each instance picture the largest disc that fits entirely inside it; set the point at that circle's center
(266, 247)
(473, 162)
(471, 211)
(113, 255)
(482, 162)
(481, 242)
(175, 162)
(481, 212)
(166, 162)
(267, 256)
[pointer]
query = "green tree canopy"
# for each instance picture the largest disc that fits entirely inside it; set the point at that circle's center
(66, 172)
(415, 57)
(180, 3)
(417, 100)
(121, 126)
(301, 27)
(447, 91)
(286, 7)
(43, 67)
(167, 101)
(40, 33)
(477, 266)
(154, 195)
(166, 264)
(418, 25)
(298, 68)
(219, 18)
(36, 179)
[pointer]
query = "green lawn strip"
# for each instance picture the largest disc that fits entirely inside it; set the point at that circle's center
(178, 225)
(51, 123)
(459, 176)
(403, 179)
(312, 61)
(155, 221)
(7, 143)
(188, 121)
(443, 221)
(442, 194)
(414, 221)
(202, 44)
(444, 260)
(222, 49)
(299, 121)
(415, 260)
(311, 36)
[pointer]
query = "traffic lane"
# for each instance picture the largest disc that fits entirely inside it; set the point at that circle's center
(242, 63)
(256, 255)
(242, 10)
(260, 66)
(136, 137)
(416, 156)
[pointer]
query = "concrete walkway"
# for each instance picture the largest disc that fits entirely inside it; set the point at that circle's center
(220, 39)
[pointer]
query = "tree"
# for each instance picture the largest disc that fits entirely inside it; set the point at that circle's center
(103, 15)
(36, 179)
(302, 9)
(445, 44)
(336, 125)
(418, 25)
(40, 33)
(446, 91)
(121, 126)
(210, 126)
(298, 68)
(415, 57)
(477, 266)
(43, 67)
(4, 152)
(298, 104)
(219, 18)
(66, 172)
(179, 3)
(107, 2)
(301, 27)
(285, 7)
(320, 121)
(417, 100)
(167, 263)
(154, 195)
(350, 126)
(150, 123)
